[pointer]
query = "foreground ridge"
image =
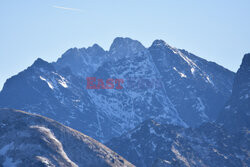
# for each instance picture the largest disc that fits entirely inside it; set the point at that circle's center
(33, 140)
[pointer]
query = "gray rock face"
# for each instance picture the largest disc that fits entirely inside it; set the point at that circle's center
(236, 113)
(168, 84)
(31, 140)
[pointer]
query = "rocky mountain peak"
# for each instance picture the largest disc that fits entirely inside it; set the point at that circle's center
(95, 50)
(246, 60)
(125, 47)
(40, 63)
(161, 44)
(82, 62)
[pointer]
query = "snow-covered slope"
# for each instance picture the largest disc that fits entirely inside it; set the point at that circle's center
(161, 83)
(196, 87)
(136, 102)
(31, 140)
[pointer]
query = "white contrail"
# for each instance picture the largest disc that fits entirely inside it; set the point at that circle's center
(65, 8)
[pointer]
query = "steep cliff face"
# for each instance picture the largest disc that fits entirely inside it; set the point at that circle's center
(32, 140)
(236, 113)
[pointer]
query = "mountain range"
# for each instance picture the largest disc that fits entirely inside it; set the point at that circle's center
(187, 90)
(175, 109)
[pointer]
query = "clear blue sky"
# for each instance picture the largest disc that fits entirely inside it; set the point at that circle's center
(218, 30)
